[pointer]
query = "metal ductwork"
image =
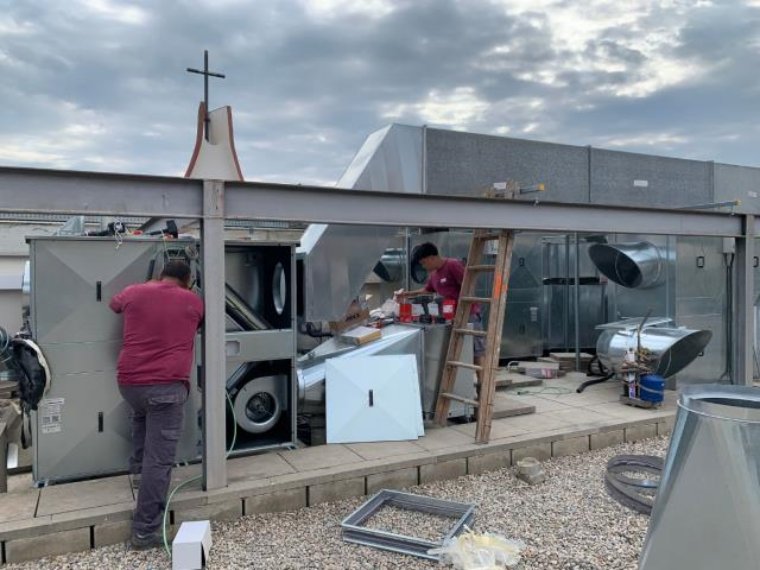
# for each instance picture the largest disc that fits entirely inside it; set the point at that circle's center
(338, 258)
(707, 511)
(396, 339)
(672, 349)
(633, 265)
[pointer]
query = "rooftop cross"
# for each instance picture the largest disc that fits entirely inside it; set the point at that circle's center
(205, 73)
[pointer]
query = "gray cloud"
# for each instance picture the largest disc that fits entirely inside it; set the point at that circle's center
(102, 85)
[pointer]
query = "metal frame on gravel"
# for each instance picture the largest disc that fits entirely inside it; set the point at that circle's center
(353, 531)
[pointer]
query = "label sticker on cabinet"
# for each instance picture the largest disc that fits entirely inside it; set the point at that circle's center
(50, 411)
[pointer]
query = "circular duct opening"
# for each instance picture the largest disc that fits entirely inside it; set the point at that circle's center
(279, 288)
(732, 403)
(629, 265)
(679, 355)
(257, 409)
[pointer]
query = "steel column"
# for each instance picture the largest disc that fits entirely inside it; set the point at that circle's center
(742, 350)
(212, 248)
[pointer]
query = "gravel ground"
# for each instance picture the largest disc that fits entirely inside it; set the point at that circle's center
(567, 523)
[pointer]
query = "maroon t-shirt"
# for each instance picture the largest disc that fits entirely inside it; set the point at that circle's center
(447, 281)
(160, 322)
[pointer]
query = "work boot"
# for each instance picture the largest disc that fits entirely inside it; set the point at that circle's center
(145, 541)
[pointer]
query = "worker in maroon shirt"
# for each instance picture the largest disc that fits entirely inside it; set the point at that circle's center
(161, 319)
(445, 279)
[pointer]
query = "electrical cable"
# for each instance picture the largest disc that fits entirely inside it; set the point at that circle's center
(588, 383)
(193, 479)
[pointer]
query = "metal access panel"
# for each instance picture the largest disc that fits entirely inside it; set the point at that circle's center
(81, 428)
(261, 379)
(702, 280)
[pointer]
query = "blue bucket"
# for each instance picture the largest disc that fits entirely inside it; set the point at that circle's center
(652, 388)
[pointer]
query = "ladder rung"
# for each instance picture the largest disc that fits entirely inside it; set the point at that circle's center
(476, 299)
(481, 267)
(464, 365)
(462, 399)
(489, 236)
(471, 332)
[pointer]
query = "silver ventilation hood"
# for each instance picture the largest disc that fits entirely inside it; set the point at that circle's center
(707, 511)
(338, 258)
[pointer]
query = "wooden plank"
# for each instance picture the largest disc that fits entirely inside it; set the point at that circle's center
(505, 407)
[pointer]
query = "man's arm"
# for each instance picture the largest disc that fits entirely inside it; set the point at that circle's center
(117, 302)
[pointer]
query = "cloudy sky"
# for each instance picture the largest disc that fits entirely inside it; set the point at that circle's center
(101, 84)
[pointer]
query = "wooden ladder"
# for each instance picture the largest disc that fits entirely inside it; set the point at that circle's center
(497, 302)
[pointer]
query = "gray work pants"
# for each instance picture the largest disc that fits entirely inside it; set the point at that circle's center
(157, 419)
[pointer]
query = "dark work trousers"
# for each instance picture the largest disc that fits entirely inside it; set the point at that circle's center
(157, 418)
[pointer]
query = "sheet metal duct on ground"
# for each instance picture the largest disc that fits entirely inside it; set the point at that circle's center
(707, 511)
(338, 258)
(396, 339)
(632, 265)
(673, 349)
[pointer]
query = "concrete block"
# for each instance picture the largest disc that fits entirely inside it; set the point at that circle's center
(665, 426)
(112, 533)
(444, 470)
(570, 446)
(336, 490)
(643, 431)
(51, 544)
(224, 510)
(607, 438)
(398, 479)
(489, 462)
(541, 451)
(279, 501)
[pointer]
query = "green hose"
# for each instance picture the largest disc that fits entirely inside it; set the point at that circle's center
(192, 479)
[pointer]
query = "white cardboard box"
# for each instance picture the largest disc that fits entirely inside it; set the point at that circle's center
(191, 545)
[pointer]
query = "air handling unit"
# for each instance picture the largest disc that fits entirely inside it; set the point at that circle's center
(81, 428)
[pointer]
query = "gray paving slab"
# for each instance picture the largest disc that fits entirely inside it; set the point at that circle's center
(384, 449)
(545, 421)
(541, 404)
(18, 504)
(254, 467)
(320, 457)
(618, 410)
(506, 407)
(84, 494)
(443, 438)
(500, 429)
(582, 417)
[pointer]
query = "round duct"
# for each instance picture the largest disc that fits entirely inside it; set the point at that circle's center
(672, 349)
(258, 404)
(632, 265)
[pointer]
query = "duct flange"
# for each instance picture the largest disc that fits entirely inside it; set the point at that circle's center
(633, 265)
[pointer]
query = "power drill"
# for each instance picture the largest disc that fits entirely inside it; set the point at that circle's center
(426, 318)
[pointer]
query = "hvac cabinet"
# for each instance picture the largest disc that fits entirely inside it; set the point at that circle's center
(81, 428)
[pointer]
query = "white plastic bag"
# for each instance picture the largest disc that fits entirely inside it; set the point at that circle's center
(470, 551)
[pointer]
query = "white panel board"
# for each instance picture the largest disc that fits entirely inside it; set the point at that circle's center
(373, 398)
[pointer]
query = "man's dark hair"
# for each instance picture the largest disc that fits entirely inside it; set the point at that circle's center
(177, 269)
(424, 250)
